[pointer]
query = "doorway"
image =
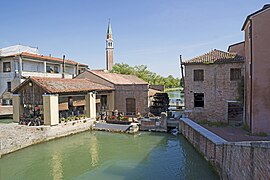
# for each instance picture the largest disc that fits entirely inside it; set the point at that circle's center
(130, 106)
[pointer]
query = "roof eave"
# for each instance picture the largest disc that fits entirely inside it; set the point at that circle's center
(201, 63)
(251, 15)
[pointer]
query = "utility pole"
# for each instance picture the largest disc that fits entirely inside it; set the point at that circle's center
(182, 71)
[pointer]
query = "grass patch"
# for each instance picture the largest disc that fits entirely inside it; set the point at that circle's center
(245, 127)
(215, 124)
(6, 121)
(173, 89)
(260, 134)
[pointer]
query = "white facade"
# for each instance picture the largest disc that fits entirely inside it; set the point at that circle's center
(15, 68)
(16, 49)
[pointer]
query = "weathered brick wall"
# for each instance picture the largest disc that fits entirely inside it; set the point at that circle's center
(217, 89)
(139, 92)
(233, 160)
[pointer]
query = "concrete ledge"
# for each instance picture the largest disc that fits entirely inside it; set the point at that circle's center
(205, 132)
(14, 137)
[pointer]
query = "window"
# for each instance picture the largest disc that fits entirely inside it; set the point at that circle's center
(55, 69)
(9, 86)
(49, 69)
(6, 67)
(198, 100)
(130, 106)
(198, 75)
(235, 74)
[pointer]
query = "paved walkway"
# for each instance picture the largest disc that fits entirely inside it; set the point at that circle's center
(235, 134)
(111, 127)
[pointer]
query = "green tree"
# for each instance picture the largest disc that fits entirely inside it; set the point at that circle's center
(142, 72)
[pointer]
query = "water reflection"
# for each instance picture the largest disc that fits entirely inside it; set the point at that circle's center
(56, 163)
(93, 150)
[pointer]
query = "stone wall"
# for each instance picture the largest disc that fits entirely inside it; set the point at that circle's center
(14, 137)
(139, 92)
(232, 160)
(217, 89)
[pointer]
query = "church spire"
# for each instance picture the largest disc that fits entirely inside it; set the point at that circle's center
(109, 31)
(109, 48)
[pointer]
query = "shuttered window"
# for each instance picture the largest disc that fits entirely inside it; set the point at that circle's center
(235, 74)
(198, 75)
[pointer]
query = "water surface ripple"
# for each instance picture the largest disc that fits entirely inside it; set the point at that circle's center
(103, 155)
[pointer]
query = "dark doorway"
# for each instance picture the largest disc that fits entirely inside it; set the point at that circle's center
(130, 106)
(103, 102)
(198, 100)
(235, 113)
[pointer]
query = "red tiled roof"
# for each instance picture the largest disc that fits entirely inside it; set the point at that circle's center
(215, 56)
(58, 85)
(47, 58)
(118, 78)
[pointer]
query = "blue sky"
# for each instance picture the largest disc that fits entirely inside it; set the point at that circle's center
(149, 32)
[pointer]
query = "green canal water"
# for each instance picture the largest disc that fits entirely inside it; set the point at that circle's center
(6, 120)
(103, 155)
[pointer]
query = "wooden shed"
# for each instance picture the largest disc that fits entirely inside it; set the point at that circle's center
(46, 100)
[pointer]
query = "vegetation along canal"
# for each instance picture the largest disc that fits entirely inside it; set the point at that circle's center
(103, 155)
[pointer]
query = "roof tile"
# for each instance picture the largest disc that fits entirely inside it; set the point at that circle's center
(118, 78)
(215, 56)
(58, 85)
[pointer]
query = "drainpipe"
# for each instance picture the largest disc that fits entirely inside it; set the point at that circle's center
(250, 71)
(245, 93)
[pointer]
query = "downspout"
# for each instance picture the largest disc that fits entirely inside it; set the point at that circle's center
(250, 71)
(245, 93)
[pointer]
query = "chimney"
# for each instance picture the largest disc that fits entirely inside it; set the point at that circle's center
(63, 67)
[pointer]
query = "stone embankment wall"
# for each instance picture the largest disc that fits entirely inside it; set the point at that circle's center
(233, 160)
(14, 137)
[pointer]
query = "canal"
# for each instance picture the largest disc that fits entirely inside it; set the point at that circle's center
(103, 155)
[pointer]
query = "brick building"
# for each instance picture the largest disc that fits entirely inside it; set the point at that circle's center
(211, 87)
(257, 44)
(130, 95)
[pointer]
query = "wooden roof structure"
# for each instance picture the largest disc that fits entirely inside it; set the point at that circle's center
(60, 85)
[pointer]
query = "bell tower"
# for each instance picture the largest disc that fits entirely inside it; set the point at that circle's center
(109, 48)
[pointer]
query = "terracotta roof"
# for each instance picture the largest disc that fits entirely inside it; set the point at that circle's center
(118, 78)
(215, 56)
(46, 58)
(58, 85)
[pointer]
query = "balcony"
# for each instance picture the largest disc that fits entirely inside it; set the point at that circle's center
(44, 74)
